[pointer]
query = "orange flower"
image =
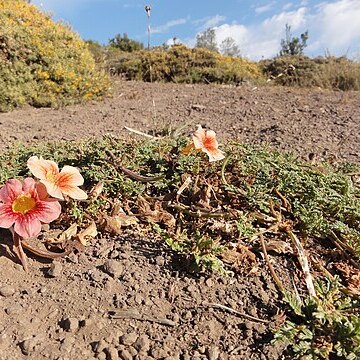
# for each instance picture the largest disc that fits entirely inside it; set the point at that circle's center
(58, 184)
(205, 141)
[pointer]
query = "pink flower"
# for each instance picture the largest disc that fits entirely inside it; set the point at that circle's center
(26, 204)
(65, 182)
(205, 141)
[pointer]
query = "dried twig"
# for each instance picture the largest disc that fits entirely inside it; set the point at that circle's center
(44, 253)
(272, 271)
(184, 186)
(304, 263)
(115, 162)
(226, 308)
(134, 314)
(142, 133)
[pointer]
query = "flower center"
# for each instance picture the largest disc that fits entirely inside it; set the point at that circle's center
(51, 176)
(23, 204)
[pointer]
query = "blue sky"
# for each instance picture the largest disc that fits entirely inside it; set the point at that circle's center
(257, 26)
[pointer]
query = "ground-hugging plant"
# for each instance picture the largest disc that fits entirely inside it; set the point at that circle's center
(246, 194)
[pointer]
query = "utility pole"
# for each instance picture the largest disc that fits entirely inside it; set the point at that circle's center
(148, 10)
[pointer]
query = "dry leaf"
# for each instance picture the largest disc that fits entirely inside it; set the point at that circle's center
(241, 258)
(88, 233)
(97, 190)
(158, 215)
(113, 224)
(278, 246)
(68, 233)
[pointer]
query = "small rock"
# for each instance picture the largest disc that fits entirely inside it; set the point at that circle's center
(159, 260)
(67, 344)
(111, 353)
(213, 352)
(55, 269)
(113, 268)
(27, 346)
(7, 291)
(13, 309)
(209, 282)
(70, 324)
(142, 344)
(125, 355)
(128, 339)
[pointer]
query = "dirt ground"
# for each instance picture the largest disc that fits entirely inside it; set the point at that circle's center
(130, 298)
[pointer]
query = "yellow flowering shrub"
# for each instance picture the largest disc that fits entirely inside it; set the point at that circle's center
(184, 65)
(43, 63)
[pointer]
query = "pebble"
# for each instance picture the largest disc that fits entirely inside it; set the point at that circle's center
(142, 344)
(113, 268)
(213, 352)
(55, 269)
(125, 355)
(111, 353)
(128, 339)
(70, 324)
(160, 261)
(7, 291)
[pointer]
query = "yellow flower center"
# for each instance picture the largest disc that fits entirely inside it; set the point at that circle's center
(23, 204)
(51, 176)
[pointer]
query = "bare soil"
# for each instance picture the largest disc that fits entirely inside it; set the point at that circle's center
(132, 298)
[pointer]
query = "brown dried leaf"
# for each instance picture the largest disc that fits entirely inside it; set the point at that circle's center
(113, 224)
(241, 258)
(352, 277)
(68, 233)
(97, 190)
(278, 246)
(158, 215)
(88, 233)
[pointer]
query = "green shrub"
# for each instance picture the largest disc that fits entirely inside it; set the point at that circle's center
(184, 65)
(328, 73)
(43, 63)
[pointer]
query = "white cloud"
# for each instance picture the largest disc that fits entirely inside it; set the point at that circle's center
(261, 40)
(208, 22)
(332, 26)
(264, 8)
(338, 26)
(167, 26)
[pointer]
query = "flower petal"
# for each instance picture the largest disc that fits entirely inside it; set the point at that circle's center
(215, 155)
(27, 226)
(7, 217)
(70, 175)
(29, 185)
(10, 191)
(41, 190)
(75, 193)
(52, 189)
(47, 211)
(40, 167)
(199, 137)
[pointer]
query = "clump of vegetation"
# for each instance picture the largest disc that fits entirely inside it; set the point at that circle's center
(252, 194)
(43, 63)
(323, 327)
(181, 64)
(302, 71)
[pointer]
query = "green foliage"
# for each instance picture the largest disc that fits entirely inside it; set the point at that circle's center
(207, 40)
(293, 45)
(325, 327)
(228, 47)
(184, 65)
(123, 43)
(322, 200)
(43, 63)
(328, 73)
